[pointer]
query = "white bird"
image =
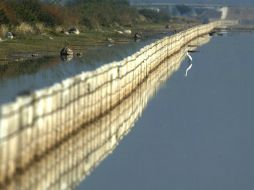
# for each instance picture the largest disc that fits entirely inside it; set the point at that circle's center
(189, 56)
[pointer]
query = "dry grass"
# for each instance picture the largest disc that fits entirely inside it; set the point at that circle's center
(50, 42)
(39, 28)
(3, 30)
(58, 29)
(24, 28)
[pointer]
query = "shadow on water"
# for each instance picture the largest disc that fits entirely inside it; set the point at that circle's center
(71, 161)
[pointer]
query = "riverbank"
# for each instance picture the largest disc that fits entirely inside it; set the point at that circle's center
(50, 43)
(241, 28)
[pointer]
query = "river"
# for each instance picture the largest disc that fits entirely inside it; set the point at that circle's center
(197, 131)
(23, 77)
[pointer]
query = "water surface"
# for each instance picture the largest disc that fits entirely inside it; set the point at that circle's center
(30, 75)
(197, 132)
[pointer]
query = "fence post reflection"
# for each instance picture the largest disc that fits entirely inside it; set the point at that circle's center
(57, 135)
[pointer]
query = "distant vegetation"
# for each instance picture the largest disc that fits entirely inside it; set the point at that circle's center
(35, 11)
(154, 15)
(95, 13)
(89, 13)
(183, 9)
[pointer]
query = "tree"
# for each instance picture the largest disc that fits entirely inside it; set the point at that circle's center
(3, 18)
(183, 9)
(154, 15)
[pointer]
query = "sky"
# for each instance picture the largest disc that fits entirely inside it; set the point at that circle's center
(231, 2)
(227, 2)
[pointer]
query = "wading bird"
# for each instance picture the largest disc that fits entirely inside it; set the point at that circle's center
(189, 56)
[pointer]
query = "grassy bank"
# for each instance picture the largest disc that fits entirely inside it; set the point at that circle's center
(50, 43)
(40, 28)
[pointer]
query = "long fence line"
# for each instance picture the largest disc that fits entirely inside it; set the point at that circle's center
(71, 161)
(33, 124)
(74, 159)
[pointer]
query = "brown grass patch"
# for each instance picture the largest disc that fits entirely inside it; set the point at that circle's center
(3, 30)
(24, 28)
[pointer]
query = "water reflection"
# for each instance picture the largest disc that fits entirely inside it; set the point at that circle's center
(70, 162)
(66, 58)
(188, 68)
(41, 72)
(14, 69)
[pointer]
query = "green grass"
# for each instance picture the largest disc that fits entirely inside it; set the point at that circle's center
(22, 47)
(43, 45)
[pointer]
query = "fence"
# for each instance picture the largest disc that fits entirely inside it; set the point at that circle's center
(35, 124)
(71, 161)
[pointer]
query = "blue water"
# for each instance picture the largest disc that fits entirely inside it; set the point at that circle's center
(29, 77)
(197, 132)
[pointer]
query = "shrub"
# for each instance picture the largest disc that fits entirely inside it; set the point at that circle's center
(91, 13)
(8, 14)
(3, 18)
(27, 10)
(97, 13)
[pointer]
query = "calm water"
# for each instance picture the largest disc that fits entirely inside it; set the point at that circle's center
(20, 77)
(197, 132)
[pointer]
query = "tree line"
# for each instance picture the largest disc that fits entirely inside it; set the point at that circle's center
(90, 13)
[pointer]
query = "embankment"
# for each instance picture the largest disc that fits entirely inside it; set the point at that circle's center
(65, 165)
(39, 122)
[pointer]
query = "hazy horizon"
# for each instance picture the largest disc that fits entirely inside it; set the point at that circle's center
(229, 2)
